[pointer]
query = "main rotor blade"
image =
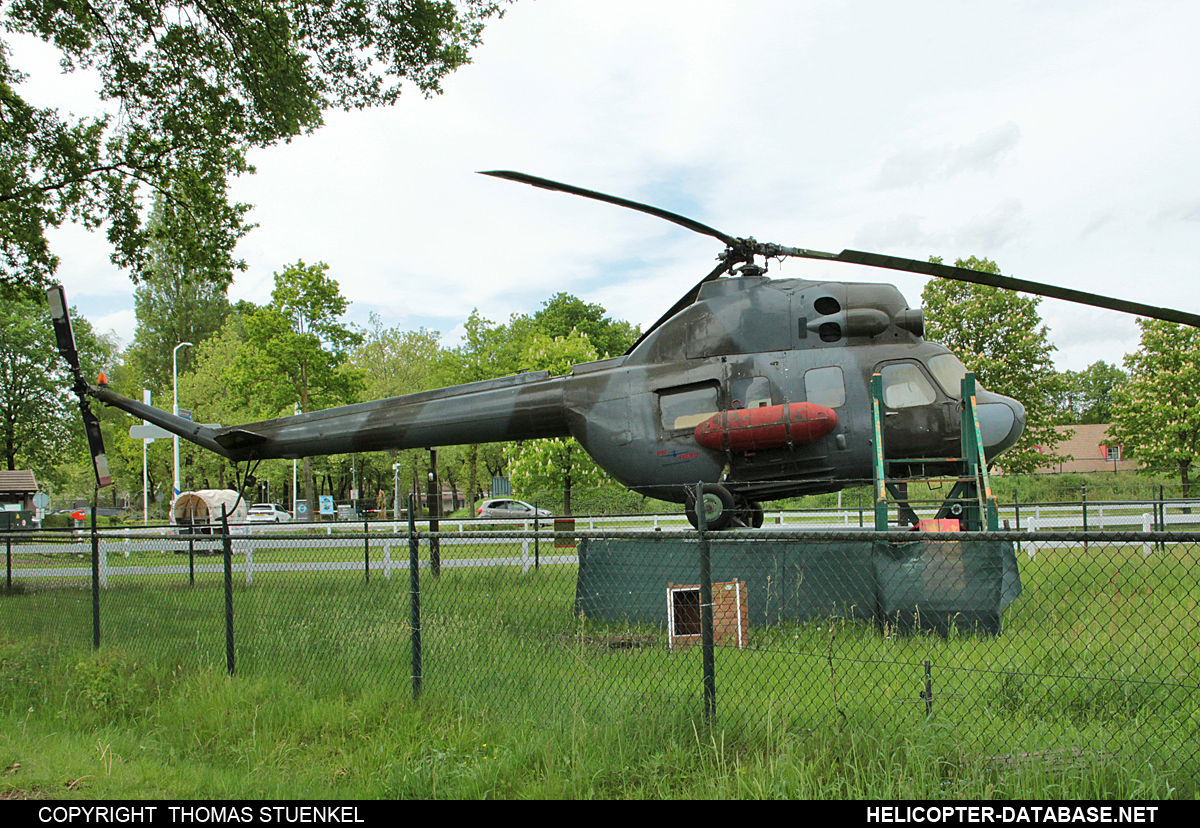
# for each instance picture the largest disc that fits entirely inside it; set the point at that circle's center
(684, 301)
(962, 274)
(745, 249)
(674, 218)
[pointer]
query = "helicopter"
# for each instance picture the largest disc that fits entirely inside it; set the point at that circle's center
(756, 387)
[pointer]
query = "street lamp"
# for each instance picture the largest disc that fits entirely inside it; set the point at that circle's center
(395, 494)
(175, 390)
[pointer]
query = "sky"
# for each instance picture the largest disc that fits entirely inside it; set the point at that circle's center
(1055, 138)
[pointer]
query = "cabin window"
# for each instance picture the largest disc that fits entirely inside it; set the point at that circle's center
(751, 392)
(687, 407)
(905, 386)
(949, 372)
(825, 386)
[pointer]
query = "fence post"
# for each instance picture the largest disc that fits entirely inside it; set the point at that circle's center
(103, 549)
(536, 538)
(191, 560)
(1083, 498)
(928, 694)
(706, 608)
(1146, 527)
(414, 589)
(1017, 514)
(95, 578)
(1162, 517)
(525, 547)
(8, 559)
(366, 553)
(227, 548)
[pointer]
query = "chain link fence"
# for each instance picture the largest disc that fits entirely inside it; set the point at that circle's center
(1052, 648)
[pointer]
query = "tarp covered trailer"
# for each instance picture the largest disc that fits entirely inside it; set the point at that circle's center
(199, 512)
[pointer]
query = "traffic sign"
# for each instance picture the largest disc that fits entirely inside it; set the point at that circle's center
(149, 431)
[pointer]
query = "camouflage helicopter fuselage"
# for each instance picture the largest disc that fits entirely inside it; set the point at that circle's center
(746, 342)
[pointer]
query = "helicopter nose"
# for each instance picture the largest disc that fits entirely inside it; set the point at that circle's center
(1001, 422)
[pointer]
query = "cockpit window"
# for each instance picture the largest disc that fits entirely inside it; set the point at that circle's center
(905, 386)
(825, 386)
(687, 407)
(949, 372)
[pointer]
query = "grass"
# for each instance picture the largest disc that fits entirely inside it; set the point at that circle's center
(1088, 693)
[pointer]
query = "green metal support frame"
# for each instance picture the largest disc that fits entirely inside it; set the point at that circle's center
(971, 500)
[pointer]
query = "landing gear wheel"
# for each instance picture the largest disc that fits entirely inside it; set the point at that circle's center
(747, 513)
(718, 508)
(755, 514)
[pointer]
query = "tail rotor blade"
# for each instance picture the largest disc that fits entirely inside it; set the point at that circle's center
(91, 424)
(65, 338)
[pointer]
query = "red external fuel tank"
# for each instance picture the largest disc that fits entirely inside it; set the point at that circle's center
(768, 427)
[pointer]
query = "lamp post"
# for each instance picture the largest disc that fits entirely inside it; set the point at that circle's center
(175, 409)
(295, 491)
(396, 493)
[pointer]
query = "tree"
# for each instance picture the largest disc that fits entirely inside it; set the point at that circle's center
(395, 362)
(563, 313)
(566, 328)
(487, 351)
(999, 335)
(1087, 396)
(1156, 414)
(39, 416)
(558, 464)
(197, 85)
(206, 390)
(176, 302)
(297, 350)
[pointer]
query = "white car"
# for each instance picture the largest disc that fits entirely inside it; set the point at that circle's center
(504, 507)
(268, 513)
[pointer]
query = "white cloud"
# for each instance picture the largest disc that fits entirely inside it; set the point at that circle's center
(994, 230)
(917, 166)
